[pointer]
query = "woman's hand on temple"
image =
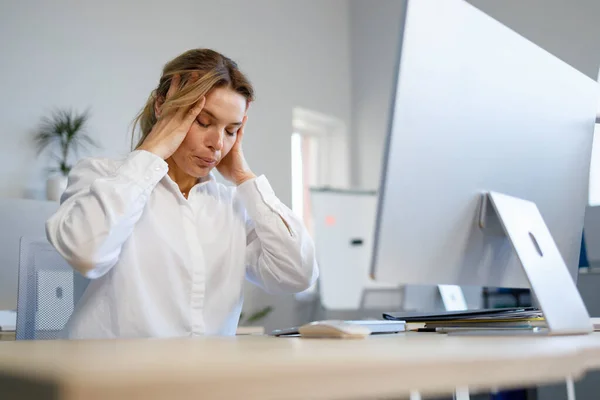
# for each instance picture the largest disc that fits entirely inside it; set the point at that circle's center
(233, 166)
(170, 130)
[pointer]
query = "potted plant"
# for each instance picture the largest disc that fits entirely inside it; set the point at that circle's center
(65, 131)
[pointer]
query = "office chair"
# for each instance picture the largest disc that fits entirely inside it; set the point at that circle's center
(47, 293)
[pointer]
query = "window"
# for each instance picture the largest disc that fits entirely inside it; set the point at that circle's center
(594, 184)
(319, 158)
(297, 175)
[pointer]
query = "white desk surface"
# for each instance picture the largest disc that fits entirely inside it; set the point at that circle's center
(290, 368)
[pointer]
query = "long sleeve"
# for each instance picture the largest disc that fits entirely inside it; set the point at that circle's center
(280, 254)
(100, 208)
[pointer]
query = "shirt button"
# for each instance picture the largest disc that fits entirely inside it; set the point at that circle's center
(147, 178)
(157, 168)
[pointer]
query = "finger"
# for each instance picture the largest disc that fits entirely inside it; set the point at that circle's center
(188, 79)
(240, 133)
(175, 80)
(194, 111)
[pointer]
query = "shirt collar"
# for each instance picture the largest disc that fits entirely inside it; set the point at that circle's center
(209, 179)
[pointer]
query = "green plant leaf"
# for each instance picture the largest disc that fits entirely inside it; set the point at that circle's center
(43, 140)
(83, 142)
(85, 139)
(261, 314)
(64, 130)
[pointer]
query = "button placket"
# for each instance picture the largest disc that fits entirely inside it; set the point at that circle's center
(198, 273)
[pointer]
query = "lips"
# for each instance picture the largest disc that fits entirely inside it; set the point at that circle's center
(207, 161)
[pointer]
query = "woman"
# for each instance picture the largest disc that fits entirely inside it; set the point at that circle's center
(166, 246)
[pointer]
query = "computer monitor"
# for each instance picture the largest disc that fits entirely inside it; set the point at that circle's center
(479, 113)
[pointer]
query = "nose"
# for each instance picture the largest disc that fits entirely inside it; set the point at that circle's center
(215, 139)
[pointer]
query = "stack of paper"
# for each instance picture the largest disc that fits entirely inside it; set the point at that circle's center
(506, 318)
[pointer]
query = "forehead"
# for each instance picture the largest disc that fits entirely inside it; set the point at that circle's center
(225, 104)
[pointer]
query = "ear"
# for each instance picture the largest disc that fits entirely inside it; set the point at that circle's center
(158, 105)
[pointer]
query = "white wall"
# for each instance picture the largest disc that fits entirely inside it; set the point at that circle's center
(570, 29)
(374, 39)
(108, 56)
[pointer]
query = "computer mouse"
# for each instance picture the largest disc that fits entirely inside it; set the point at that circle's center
(334, 329)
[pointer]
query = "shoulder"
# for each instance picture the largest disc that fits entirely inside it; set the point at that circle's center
(96, 165)
(87, 170)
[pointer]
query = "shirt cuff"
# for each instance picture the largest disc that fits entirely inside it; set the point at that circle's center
(255, 194)
(144, 168)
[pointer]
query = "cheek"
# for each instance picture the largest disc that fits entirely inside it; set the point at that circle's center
(193, 139)
(227, 145)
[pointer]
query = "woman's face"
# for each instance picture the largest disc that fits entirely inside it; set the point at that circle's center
(213, 134)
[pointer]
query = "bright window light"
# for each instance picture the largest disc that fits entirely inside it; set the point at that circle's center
(594, 188)
(297, 176)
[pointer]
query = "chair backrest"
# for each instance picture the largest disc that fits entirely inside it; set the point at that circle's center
(18, 218)
(48, 290)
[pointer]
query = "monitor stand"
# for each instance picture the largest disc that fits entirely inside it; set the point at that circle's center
(452, 297)
(549, 278)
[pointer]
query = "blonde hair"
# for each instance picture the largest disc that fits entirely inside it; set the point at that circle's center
(200, 71)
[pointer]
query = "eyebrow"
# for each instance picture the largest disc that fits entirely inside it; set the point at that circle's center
(214, 117)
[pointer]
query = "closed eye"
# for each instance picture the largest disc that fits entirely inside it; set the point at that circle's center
(206, 125)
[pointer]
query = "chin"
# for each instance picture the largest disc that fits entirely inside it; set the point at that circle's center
(199, 172)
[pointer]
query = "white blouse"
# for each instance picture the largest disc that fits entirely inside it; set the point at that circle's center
(163, 265)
